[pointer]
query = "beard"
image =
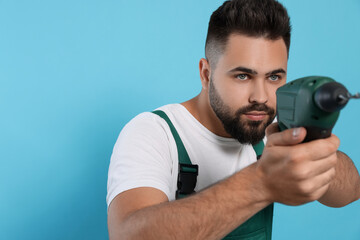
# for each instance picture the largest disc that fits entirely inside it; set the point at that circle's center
(244, 130)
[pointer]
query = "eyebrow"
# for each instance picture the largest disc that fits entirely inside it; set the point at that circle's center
(280, 70)
(251, 71)
(243, 69)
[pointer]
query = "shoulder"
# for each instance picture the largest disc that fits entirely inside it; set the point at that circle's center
(147, 131)
(149, 118)
(148, 123)
(143, 156)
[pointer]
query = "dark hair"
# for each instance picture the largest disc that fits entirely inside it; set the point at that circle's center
(253, 18)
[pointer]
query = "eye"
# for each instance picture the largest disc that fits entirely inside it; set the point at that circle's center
(274, 77)
(242, 76)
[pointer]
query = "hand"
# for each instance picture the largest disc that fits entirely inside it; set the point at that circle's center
(295, 173)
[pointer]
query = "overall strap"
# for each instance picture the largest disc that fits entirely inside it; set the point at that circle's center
(269, 210)
(259, 226)
(258, 148)
(187, 175)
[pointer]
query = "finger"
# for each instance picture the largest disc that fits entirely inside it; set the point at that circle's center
(313, 185)
(287, 137)
(318, 149)
(310, 169)
(320, 192)
(333, 140)
(272, 128)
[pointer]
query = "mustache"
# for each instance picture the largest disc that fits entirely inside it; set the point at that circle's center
(255, 107)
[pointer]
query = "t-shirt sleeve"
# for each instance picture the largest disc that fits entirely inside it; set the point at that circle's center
(141, 157)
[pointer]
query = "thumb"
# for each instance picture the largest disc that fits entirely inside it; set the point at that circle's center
(287, 137)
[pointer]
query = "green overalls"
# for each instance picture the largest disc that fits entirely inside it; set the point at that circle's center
(259, 227)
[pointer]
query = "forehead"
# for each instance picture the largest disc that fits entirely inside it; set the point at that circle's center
(258, 53)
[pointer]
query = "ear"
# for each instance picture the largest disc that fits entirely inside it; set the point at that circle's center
(204, 68)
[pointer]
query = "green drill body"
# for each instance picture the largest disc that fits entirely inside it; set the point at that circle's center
(312, 102)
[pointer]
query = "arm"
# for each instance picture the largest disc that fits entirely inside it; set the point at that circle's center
(345, 187)
(288, 172)
(145, 213)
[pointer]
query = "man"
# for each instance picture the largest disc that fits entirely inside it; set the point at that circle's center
(246, 61)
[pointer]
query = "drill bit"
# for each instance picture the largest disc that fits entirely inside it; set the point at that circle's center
(342, 98)
(356, 95)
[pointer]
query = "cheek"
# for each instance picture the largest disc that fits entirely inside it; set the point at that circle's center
(235, 94)
(272, 95)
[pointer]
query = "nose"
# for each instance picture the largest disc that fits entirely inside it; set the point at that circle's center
(258, 92)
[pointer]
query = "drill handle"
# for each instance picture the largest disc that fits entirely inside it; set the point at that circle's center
(313, 133)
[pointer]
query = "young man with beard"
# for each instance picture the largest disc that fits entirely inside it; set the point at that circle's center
(221, 129)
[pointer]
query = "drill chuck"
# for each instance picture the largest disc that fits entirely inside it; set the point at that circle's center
(331, 97)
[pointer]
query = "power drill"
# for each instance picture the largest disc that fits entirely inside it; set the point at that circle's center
(312, 102)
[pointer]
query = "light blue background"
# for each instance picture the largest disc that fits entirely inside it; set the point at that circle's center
(72, 74)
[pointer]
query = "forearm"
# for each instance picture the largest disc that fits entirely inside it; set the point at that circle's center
(210, 214)
(345, 187)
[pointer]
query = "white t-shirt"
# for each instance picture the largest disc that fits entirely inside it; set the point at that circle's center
(145, 153)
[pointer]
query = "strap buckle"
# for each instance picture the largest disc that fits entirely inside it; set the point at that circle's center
(187, 178)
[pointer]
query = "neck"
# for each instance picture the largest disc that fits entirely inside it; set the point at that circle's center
(200, 108)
